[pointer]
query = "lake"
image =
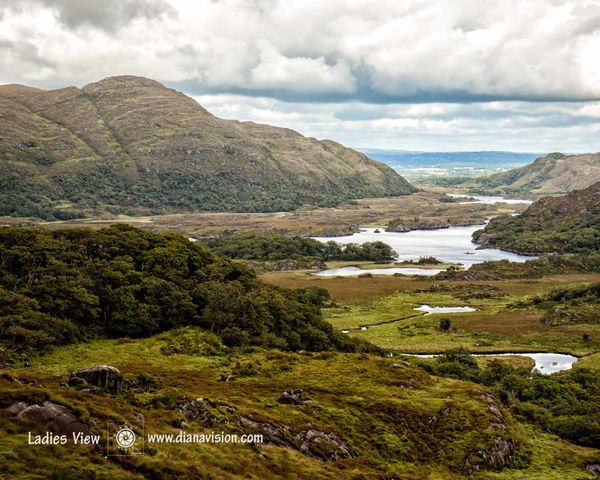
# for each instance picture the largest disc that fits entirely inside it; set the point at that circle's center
(429, 310)
(352, 271)
(489, 199)
(545, 363)
(450, 245)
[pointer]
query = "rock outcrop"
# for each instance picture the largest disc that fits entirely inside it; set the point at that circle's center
(54, 418)
(294, 397)
(103, 376)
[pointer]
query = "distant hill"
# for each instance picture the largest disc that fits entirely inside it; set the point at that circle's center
(566, 224)
(424, 164)
(553, 174)
(130, 145)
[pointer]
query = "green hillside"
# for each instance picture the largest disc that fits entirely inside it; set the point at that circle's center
(566, 224)
(553, 174)
(75, 285)
(130, 145)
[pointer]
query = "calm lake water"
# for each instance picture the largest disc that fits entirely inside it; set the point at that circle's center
(545, 363)
(352, 271)
(488, 199)
(429, 310)
(451, 245)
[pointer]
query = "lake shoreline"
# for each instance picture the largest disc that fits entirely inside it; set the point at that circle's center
(450, 246)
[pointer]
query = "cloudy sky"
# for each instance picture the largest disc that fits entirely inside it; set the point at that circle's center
(411, 75)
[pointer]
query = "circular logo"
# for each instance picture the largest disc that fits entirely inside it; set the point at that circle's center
(125, 437)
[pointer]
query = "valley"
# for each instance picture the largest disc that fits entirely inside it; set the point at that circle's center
(287, 240)
(361, 326)
(417, 381)
(309, 220)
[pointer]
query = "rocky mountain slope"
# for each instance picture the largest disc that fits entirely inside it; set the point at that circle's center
(566, 224)
(129, 145)
(553, 174)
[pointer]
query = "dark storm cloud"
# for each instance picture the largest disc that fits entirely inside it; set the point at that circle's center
(106, 15)
(367, 94)
(23, 51)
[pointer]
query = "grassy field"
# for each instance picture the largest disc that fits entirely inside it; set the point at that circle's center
(385, 305)
(383, 412)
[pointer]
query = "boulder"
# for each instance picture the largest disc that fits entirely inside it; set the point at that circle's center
(294, 397)
(17, 407)
(54, 418)
(501, 452)
(594, 469)
(75, 381)
(207, 412)
(103, 376)
(272, 434)
(497, 457)
(323, 445)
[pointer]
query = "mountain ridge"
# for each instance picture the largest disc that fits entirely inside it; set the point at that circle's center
(556, 173)
(565, 224)
(131, 144)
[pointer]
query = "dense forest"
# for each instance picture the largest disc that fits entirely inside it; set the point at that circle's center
(278, 247)
(64, 286)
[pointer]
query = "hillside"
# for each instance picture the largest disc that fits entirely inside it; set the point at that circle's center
(71, 285)
(102, 329)
(553, 174)
(352, 417)
(130, 145)
(566, 224)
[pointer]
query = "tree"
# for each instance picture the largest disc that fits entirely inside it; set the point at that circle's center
(445, 324)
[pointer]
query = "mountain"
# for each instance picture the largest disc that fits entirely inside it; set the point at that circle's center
(129, 145)
(566, 224)
(553, 174)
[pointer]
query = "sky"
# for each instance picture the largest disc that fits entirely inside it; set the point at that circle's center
(428, 75)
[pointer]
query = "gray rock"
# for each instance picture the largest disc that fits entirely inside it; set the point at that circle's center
(294, 397)
(205, 411)
(495, 410)
(75, 381)
(180, 424)
(273, 434)
(327, 446)
(501, 452)
(594, 469)
(53, 417)
(17, 407)
(103, 376)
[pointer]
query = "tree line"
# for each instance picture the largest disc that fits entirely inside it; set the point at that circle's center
(279, 247)
(72, 285)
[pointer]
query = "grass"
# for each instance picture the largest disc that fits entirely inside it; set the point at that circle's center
(364, 265)
(383, 411)
(378, 301)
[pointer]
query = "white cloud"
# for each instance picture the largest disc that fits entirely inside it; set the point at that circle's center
(405, 74)
(520, 126)
(426, 48)
(301, 74)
